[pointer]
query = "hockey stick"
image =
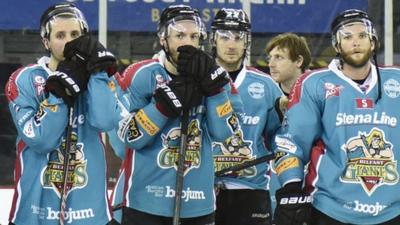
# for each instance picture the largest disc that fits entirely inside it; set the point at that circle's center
(244, 165)
(63, 202)
(181, 166)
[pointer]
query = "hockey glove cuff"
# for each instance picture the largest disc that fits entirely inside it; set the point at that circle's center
(180, 93)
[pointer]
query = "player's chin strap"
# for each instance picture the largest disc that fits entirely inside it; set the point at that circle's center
(378, 74)
(168, 55)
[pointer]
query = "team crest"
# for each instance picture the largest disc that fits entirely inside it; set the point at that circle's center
(77, 177)
(391, 88)
(168, 156)
(256, 90)
(235, 150)
(371, 162)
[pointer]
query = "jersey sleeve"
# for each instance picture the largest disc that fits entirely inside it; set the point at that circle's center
(101, 102)
(40, 121)
(296, 137)
(220, 110)
(143, 122)
(273, 122)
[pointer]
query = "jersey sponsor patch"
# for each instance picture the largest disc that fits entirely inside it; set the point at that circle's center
(391, 88)
(370, 161)
(249, 119)
(233, 122)
(362, 103)
(332, 90)
(145, 122)
(224, 109)
(371, 209)
(28, 129)
(39, 82)
(285, 144)
(111, 85)
(375, 118)
(286, 164)
(40, 114)
(133, 131)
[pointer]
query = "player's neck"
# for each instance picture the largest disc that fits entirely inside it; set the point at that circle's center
(170, 67)
(287, 85)
(53, 63)
(356, 73)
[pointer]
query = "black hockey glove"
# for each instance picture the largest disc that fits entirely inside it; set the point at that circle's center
(202, 68)
(68, 82)
(180, 93)
(293, 205)
(94, 55)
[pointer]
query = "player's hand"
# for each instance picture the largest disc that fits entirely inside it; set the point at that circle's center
(202, 68)
(179, 94)
(69, 81)
(94, 55)
(293, 205)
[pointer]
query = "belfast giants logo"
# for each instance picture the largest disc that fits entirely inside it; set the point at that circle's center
(235, 150)
(168, 156)
(52, 175)
(371, 161)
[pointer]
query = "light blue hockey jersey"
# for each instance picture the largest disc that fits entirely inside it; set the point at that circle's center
(150, 168)
(353, 173)
(258, 123)
(41, 120)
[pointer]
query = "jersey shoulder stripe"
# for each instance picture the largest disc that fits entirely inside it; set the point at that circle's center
(295, 94)
(132, 70)
(11, 88)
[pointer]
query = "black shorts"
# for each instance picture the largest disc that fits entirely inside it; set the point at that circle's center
(243, 207)
(134, 217)
(319, 218)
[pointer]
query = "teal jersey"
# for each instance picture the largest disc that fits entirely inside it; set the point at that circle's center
(350, 137)
(150, 166)
(258, 123)
(41, 120)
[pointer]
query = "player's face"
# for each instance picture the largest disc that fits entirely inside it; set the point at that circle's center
(355, 44)
(63, 30)
(282, 68)
(185, 32)
(230, 46)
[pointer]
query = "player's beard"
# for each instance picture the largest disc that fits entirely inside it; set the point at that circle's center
(236, 61)
(347, 58)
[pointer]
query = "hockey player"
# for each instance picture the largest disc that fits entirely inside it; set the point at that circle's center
(243, 197)
(350, 111)
(288, 57)
(40, 98)
(156, 92)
